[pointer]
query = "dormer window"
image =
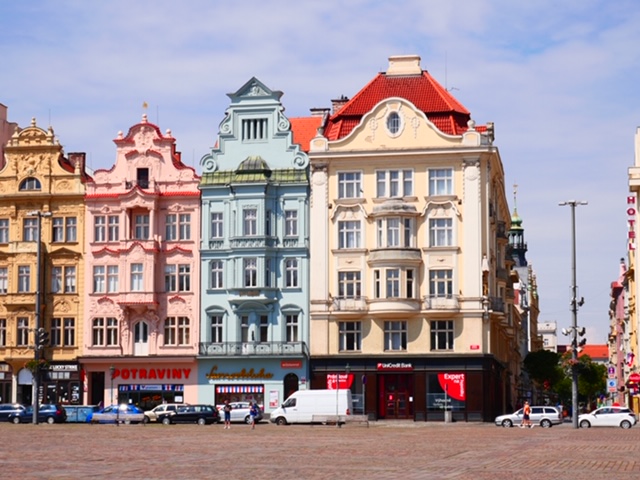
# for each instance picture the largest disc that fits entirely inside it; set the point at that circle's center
(254, 129)
(30, 183)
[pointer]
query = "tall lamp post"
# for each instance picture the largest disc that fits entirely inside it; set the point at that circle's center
(574, 312)
(38, 307)
(112, 369)
(347, 370)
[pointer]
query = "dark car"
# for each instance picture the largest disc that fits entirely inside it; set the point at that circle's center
(200, 414)
(8, 410)
(47, 413)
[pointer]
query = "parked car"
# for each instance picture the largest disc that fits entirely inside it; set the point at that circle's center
(544, 416)
(47, 413)
(240, 412)
(200, 414)
(124, 413)
(608, 417)
(80, 413)
(152, 415)
(8, 410)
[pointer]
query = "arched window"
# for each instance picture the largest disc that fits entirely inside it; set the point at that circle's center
(30, 183)
(394, 123)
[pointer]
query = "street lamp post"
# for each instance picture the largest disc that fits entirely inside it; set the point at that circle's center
(112, 369)
(574, 312)
(347, 369)
(38, 307)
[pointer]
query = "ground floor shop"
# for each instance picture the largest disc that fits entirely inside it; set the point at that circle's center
(60, 382)
(266, 381)
(418, 388)
(145, 382)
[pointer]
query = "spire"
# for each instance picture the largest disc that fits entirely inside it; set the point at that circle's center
(516, 234)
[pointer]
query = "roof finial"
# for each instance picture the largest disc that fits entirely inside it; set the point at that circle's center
(515, 195)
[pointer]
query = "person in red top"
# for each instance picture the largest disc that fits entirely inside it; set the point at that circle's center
(526, 416)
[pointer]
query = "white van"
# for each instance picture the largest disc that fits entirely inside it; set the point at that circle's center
(302, 405)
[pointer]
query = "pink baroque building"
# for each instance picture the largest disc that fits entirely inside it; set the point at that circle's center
(142, 274)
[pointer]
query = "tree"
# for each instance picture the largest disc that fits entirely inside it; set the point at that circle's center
(543, 368)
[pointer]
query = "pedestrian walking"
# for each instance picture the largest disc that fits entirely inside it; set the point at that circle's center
(227, 415)
(526, 416)
(253, 413)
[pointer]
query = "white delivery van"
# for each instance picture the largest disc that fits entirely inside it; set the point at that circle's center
(302, 405)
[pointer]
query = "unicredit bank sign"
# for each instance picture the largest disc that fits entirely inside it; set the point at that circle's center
(395, 367)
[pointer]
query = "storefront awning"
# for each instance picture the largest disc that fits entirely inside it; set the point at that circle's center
(239, 389)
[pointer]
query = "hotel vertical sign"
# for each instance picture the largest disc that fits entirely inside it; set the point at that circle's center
(631, 222)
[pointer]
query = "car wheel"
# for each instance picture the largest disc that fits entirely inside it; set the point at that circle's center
(281, 421)
(585, 424)
(16, 420)
(545, 423)
(247, 419)
(146, 420)
(166, 421)
(127, 421)
(625, 424)
(202, 421)
(507, 423)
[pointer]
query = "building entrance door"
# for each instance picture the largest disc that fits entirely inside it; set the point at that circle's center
(395, 392)
(141, 339)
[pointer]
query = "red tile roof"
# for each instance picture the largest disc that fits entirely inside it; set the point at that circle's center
(304, 129)
(446, 113)
(596, 352)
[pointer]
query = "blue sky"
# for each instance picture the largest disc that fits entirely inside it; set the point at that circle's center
(559, 79)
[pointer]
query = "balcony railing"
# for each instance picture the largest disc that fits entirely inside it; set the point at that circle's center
(253, 242)
(239, 349)
(346, 304)
(444, 302)
(496, 304)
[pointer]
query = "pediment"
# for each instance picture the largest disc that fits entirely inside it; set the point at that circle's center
(395, 123)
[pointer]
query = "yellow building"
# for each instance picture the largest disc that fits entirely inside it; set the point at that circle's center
(41, 266)
(411, 300)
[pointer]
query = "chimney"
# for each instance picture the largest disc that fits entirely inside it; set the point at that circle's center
(337, 104)
(318, 111)
(404, 65)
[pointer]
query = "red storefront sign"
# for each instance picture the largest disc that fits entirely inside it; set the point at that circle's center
(291, 364)
(152, 373)
(454, 385)
(345, 381)
(395, 367)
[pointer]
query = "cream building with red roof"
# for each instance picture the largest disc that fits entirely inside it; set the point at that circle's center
(412, 302)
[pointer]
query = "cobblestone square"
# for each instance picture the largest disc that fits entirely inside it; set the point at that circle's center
(382, 451)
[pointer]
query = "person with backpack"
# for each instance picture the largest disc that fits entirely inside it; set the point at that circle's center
(253, 413)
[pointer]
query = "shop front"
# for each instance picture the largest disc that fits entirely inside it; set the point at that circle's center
(268, 382)
(141, 382)
(419, 389)
(61, 383)
(6, 381)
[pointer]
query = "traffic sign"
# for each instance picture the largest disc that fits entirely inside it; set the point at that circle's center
(611, 384)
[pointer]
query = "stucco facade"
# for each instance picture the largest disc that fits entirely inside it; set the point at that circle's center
(41, 265)
(255, 254)
(142, 282)
(411, 292)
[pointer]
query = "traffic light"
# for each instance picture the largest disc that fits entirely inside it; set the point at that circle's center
(42, 338)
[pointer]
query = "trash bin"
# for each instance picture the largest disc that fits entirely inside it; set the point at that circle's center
(448, 416)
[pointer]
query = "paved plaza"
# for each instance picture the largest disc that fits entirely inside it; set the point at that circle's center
(383, 451)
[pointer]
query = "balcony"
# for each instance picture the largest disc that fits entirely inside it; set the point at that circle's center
(239, 349)
(496, 304)
(444, 302)
(253, 242)
(350, 304)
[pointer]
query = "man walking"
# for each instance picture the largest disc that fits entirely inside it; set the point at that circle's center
(227, 414)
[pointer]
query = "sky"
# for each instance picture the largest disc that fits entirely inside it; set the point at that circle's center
(558, 79)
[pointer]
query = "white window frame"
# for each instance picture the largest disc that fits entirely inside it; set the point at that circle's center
(291, 223)
(350, 184)
(291, 267)
(350, 337)
(394, 183)
(99, 279)
(350, 284)
(137, 277)
(395, 336)
(440, 232)
(217, 274)
(250, 222)
(100, 228)
(4, 230)
(441, 181)
(441, 283)
(113, 278)
(250, 272)
(349, 234)
(442, 335)
(217, 225)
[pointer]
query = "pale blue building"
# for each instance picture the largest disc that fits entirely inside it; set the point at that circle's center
(254, 341)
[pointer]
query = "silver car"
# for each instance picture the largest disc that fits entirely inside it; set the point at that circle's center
(152, 415)
(544, 416)
(608, 417)
(240, 412)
